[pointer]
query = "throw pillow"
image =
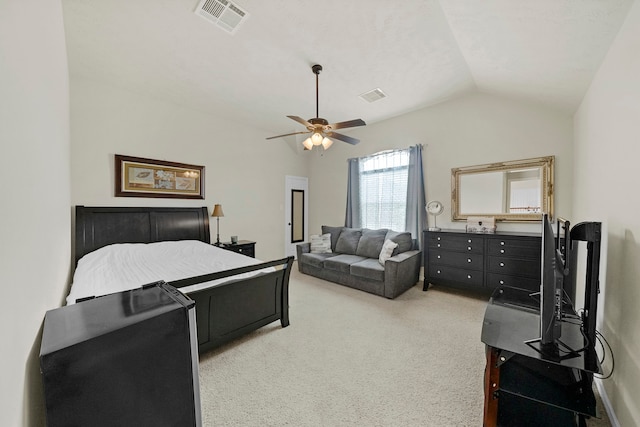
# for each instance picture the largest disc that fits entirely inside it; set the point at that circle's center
(348, 241)
(387, 250)
(335, 233)
(370, 243)
(403, 239)
(321, 244)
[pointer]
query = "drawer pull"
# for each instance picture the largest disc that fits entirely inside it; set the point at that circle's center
(501, 243)
(502, 264)
(468, 259)
(438, 244)
(438, 239)
(468, 276)
(468, 248)
(438, 271)
(501, 251)
(502, 282)
(469, 241)
(438, 256)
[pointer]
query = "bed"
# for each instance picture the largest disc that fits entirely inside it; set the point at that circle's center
(243, 298)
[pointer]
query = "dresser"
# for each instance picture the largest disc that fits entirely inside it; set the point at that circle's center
(482, 261)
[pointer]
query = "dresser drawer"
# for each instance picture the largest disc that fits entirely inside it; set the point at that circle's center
(515, 248)
(471, 261)
(454, 274)
(494, 280)
(514, 266)
(456, 243)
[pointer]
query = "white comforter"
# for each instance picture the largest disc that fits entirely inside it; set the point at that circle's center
(125, 266)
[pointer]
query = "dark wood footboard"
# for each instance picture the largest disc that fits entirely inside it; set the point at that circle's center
(229, 310)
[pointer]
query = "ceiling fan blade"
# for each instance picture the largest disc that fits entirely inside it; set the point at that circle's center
(348, 124)
(287, 134)
(301, 121)
(344, 138)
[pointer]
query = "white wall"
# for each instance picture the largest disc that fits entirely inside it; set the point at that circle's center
(243, 172)
(34, 171)
(471, 130)
(607, 147)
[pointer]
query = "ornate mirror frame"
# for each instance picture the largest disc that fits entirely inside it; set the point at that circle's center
(545, 164)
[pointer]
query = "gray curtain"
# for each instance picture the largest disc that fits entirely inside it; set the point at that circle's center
(416, 200)
(352, 217)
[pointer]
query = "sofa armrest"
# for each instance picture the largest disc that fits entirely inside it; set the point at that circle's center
(302, 248)
(401, 272)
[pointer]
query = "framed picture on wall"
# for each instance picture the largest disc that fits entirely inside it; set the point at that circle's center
(140, 177)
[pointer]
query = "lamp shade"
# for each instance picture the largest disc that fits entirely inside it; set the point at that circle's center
(308, 144)
(217, 211)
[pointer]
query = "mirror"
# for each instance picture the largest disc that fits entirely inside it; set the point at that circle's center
(519, 190)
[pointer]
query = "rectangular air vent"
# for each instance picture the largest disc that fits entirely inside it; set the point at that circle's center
(373, 95)
(225, 14)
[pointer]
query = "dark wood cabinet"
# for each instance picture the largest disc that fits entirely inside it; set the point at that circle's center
(244, 247)
(482, 261)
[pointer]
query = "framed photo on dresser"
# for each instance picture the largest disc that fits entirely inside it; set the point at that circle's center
(140, 177)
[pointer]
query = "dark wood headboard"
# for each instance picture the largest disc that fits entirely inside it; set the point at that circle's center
(101, 226)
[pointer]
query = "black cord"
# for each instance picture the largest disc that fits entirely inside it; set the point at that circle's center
(599, 337)
(587, 343)
(604, 352)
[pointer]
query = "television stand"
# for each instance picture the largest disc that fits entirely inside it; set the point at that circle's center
(528, 387)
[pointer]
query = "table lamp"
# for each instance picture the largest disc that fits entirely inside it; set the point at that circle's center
(217, 213)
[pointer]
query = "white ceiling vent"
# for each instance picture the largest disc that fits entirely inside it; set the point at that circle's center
(226, 14)
(373, 95)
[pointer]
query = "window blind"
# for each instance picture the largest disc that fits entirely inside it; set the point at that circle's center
(383, 190)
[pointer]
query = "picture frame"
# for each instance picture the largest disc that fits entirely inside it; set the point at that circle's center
(141, 177)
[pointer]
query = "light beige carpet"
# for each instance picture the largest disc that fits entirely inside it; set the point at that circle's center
(354, 359)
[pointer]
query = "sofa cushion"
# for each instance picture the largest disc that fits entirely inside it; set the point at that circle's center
(321, 244)
(342, 263)
(315, 260)
(370, 243)
(403, 239)
(387, 251)
(348, 241)
(369, 268)
(335, 233)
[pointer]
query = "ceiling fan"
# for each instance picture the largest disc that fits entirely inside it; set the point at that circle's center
(320, 128)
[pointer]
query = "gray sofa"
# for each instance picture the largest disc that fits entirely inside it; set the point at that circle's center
(353, 260)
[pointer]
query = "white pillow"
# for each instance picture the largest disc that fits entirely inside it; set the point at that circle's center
(321, 244)
(387, 250)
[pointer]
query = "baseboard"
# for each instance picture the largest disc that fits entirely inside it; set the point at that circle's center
(607, 404)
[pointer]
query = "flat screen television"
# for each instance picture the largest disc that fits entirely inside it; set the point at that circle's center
(552, 285)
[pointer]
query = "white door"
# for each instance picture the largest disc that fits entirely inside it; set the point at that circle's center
(296, 213)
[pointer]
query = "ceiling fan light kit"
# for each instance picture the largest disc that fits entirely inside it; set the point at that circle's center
(320, 129)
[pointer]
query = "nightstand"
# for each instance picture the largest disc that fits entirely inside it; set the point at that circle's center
(244, 247)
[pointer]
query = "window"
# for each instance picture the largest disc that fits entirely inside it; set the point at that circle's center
(523, 191)
(383, 190)
(386, 190)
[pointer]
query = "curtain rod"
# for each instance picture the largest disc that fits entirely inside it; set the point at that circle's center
(391, 150)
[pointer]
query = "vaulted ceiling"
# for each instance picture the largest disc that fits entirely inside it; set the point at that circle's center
(418, 52)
